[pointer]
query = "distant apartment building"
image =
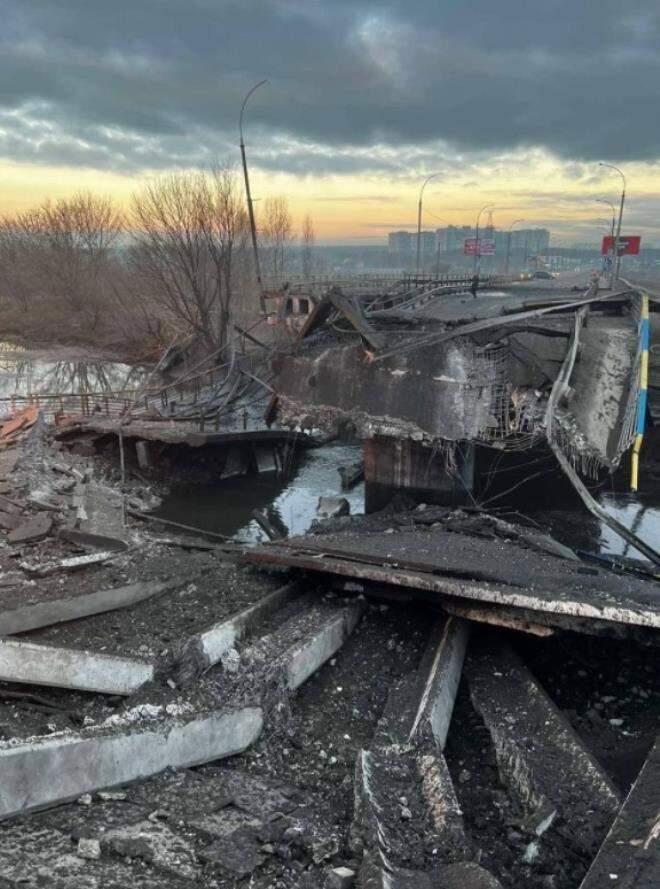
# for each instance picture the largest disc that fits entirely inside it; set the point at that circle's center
(528, 241)
(400, 242)
(453, 237)
(406, 242)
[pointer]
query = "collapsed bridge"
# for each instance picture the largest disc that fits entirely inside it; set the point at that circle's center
(428, 375)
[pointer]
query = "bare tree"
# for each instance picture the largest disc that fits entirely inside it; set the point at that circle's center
(307, 244)
(58, 256)
(190, 231)
(277, 235)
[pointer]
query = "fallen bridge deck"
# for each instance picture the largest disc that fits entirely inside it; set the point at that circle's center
(441, 563)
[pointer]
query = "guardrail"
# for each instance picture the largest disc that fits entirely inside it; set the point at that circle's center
(424, 293)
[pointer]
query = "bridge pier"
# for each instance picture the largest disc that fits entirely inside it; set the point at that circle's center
(401, 466)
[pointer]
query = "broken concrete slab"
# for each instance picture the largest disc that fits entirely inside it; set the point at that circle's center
(332, 507)
(53, 611)
(466, 875)
(9, 521)
(35, 528)
(340, 878)
(435, 562)
(630, 855)
(236, 855)
(34, 664)
(155, 843)
(538, 753)
(45, 771)
(205, 649)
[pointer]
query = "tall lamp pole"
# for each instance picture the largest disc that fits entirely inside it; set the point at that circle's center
(477, 243)
(614, 275)
(508, 245)
(613, 209)
(248, 194)
(419, 222)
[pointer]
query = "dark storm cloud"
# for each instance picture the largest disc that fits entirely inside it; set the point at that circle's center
(149, 83)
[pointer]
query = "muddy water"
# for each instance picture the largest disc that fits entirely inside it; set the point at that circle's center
(226, 507)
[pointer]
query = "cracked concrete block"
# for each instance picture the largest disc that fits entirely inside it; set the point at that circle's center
(44, 771)
(35, 528)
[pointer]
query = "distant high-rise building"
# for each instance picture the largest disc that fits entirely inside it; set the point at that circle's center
(406, 242)
(400, 242)
(453, 237)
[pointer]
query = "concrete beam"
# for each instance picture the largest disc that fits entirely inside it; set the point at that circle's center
(383, 777)
(27, 662)
(205, 649)
(304, 658)
(447, 653)
(53, 611)
(46, 771)
(630, 855)
(539, 755)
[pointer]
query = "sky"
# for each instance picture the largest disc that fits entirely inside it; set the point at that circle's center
(512, 103)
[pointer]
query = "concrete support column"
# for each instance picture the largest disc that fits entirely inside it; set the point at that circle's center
(402, 466)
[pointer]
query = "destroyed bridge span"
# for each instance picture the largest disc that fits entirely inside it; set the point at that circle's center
(426, 375)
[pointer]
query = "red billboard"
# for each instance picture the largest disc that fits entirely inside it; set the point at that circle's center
(479, 247)
(628, 245)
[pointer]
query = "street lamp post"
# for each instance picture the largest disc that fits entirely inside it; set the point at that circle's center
(477, 244)
(508, 245)
(613, 209)
(248, 194)
(419, 222)
(614, 275)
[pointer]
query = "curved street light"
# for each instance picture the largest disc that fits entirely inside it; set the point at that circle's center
(419, 222)
(508, 245)
(248, 194)
(616, 259)
(477, 243)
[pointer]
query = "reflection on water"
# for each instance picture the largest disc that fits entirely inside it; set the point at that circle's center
(640, 514)
(226, 507)
(21, 374)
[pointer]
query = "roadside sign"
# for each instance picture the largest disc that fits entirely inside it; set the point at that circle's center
(628, 245)
(479, 247)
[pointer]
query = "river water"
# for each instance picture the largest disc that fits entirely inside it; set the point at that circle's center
(226, 507)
